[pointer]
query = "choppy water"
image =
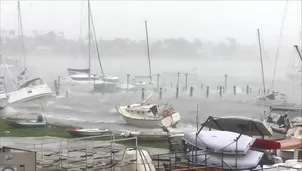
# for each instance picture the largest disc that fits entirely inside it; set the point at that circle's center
(98, 110)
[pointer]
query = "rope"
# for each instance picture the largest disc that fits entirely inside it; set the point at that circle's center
(279, 42)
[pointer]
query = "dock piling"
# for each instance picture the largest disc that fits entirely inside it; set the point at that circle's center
(191, 91)
(208, 91)
(143, 93)
(160, 93)
(234, 90)
(177, 92)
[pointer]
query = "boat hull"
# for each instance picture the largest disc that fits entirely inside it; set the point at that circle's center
(146, 123)
(76, 133)
(37, 93)
(3, 100)
(22, 124)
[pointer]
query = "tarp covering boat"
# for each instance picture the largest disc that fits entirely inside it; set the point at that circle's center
(228, 161)
(220, 141)
(240, 124)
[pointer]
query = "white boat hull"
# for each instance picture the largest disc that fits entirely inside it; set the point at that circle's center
(151, 122)
(36, 93)
(248, 161)
(3, 100)
(220, 141)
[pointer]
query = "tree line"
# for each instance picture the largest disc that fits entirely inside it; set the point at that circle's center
(56, 44)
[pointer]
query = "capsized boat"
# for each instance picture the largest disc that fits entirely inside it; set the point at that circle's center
(149, 115)
(82, 132)
(31, 89)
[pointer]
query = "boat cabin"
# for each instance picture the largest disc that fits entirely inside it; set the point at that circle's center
(32, 83)
(111, 79)
(149, 109)
(83, 77)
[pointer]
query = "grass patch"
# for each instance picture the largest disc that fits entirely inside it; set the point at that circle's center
(49, 130)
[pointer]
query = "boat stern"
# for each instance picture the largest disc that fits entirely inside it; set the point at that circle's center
(171, 120)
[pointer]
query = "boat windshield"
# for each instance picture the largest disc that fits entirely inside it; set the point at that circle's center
(33, 82)
(154, 109)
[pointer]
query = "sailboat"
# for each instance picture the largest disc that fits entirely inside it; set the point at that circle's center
(28, 89)
(3, 93)
(145, 81)
(273, 98)
(84, 76)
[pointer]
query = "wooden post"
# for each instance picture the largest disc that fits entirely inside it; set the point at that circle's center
(225, 82)
(157, 87)
(128, 75)
(250, 90)
(201, 87)
(220, 91)
(247, 89)
(160, 93)
(143, 93)
(208, 91)
(177, 79)
(191, 91)
(59, 82)
(186, 83)
(235, 90)
(177, 91)
(56, 87)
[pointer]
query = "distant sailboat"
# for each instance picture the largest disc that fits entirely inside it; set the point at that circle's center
(274, 97)
(84, 77)
(140, 81)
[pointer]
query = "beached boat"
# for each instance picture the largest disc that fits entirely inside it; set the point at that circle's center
(81, 132)
(147, 135)
(149, 115)
(39, 123)
(34, 89)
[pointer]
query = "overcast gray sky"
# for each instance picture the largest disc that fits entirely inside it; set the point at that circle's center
(207, 20)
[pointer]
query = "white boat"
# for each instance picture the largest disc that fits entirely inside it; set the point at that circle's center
(220, 141)
(135, 159)
(240, 124)
(275, 98)
(32, 90)
(228, 161)
(84, 77)
(81, 132)
(147, 85)
(3, 94)
(149, 115)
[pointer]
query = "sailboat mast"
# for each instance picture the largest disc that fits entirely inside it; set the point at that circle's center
(89, 55)
(21, 32)
(96, 44)
(147, 39)
(260, 50)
